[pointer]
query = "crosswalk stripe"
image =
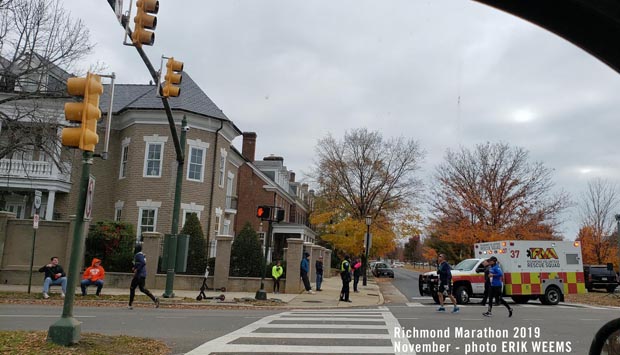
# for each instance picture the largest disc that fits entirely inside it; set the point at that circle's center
(295, 331)
(316, 335)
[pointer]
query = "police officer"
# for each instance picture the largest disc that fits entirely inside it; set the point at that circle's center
(345, 275)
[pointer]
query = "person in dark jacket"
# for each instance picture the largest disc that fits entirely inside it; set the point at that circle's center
(487, 282)
(139, 278)
(54, 275)
(357, 272)
(345, 275)
(319, 272)
(304, 269)
(445, 284)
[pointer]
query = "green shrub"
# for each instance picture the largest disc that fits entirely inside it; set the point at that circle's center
(113, 243)
(197, 253)
(246, 257)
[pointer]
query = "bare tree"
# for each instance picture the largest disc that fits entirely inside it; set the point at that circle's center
(597, 208)
(366, 175)
(39, 44)
(493, 192)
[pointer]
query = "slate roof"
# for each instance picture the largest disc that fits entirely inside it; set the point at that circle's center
(143, 97)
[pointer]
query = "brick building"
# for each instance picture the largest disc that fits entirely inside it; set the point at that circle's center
(136, 184)
(268, 182)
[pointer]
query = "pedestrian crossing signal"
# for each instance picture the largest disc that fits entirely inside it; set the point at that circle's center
(263, 212)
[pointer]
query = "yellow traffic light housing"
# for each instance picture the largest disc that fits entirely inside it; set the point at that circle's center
(87, 112)
(173, 78)
(145, 21)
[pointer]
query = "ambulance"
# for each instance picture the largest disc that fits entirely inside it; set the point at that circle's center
(544, 270)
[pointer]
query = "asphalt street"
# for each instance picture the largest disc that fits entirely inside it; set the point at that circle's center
(412, 325)
(181, 329)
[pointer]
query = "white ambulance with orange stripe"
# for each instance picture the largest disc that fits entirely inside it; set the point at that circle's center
(545, 270)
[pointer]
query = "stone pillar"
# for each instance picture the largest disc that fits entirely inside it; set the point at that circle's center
(151, 245)
(4, 220)
(294, 254)
(327, 263)
(222, 261)
(314, 256)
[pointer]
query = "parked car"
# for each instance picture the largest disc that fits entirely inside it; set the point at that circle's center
(397, 264)
(600, 276)
(382, 269)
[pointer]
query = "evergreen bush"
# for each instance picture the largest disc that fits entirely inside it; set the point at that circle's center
(197, 253)
(246, 257)
(113, 243)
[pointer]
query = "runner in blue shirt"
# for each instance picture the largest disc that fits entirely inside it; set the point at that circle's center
(497, 275)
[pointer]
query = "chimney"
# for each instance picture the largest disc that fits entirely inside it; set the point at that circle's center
(291, 176)
(249, 145)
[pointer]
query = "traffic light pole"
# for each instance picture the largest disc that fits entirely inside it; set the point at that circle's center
(177, 147)
(171, 262)
(262, 294)
(66, 330)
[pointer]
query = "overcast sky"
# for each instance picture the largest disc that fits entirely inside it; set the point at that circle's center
(444, 72)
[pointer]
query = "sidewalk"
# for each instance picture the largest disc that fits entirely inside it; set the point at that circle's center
(369, 295)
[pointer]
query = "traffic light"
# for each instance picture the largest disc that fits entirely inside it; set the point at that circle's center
(87, 112)
(263, 212)
(173, 77)
(144, 22)
(280, 215)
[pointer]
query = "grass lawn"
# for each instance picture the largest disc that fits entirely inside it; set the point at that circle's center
(35, 343)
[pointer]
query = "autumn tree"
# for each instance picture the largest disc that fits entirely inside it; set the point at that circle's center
(364, 175)
(597, 207)
(493, 192)
(39, 44)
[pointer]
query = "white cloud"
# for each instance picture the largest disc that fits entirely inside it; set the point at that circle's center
(443, 72)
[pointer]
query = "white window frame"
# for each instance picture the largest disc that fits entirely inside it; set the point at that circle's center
(142, 209)
(124, 158)
(154, 140)
(230, 181)
(18, 208)
(202, 163)
(118, 214)
(190, 208)
(147, 205)
(222, 167)
(146, 159)
(226, 227)
(218, 221)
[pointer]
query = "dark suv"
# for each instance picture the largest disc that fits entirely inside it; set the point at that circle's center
(600, 276)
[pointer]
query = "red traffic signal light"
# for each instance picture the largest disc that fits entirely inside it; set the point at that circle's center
(263, 212)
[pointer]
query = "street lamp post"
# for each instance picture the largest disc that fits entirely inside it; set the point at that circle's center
(618, 235)
(368, 223)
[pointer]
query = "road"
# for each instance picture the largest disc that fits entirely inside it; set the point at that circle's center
(406, 282)
(562, 329)
(182, 329)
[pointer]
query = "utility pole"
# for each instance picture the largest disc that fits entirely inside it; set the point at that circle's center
(146, 21)
(368, 220)
(171, 263)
